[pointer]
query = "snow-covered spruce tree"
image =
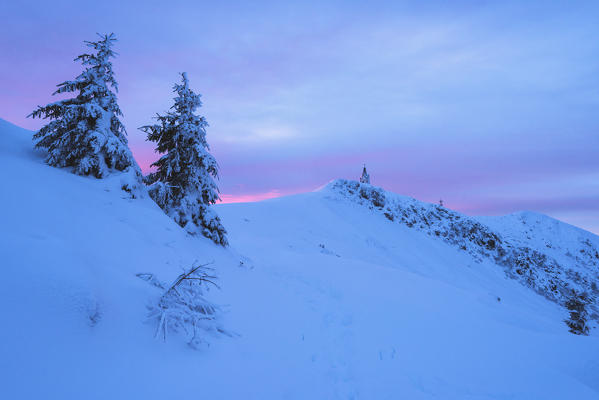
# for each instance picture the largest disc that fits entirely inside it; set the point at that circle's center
(183, 184)
(85, 131)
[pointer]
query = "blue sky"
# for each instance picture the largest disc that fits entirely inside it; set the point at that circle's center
(492, 106)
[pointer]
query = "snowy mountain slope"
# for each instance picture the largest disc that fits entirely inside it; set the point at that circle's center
(555, 259)
(563, 242)
(71, 247)
(401, 286)
(330, 300)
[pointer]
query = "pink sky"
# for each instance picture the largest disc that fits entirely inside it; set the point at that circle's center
(491, 106)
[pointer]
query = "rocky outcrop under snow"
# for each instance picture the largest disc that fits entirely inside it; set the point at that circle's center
(557, 260)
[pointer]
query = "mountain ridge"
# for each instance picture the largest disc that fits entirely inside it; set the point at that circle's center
(526, 258)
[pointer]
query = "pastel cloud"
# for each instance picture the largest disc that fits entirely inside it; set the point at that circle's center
(491, 106)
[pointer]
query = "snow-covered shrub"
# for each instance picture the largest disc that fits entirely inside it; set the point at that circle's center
(183, 184)
(373, 195)
(577, 305)
(182, 306)
(85, 132)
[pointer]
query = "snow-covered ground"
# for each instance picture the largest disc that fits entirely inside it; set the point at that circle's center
(328, 300)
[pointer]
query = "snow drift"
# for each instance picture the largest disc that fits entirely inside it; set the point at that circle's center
(328, 295)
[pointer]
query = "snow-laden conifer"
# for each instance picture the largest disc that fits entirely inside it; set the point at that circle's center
(85, 131)
(184, 182)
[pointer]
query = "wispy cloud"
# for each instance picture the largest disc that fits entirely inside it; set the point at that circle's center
(491, 105)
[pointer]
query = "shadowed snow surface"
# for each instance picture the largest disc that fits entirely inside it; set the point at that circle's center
(328, 301)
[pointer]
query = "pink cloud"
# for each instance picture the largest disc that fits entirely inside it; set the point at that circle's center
(247, 198)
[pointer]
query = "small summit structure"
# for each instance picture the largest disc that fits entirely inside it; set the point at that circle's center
(365, 178)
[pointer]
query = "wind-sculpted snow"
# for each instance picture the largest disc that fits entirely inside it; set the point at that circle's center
(553, 269)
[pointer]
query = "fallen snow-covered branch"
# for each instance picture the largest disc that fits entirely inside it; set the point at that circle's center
(182, 306)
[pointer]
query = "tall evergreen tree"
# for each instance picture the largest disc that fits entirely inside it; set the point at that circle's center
(184, 182)
(85, 131)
